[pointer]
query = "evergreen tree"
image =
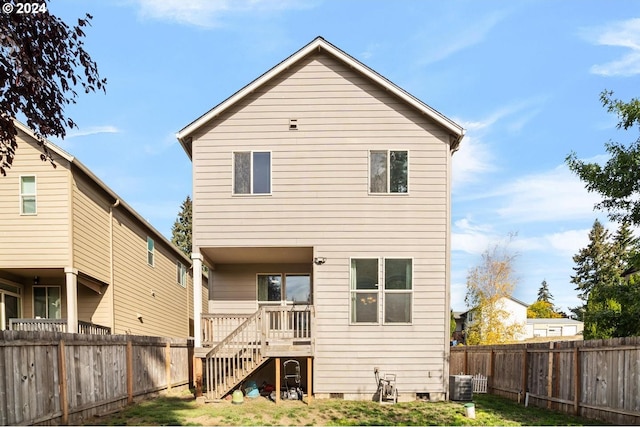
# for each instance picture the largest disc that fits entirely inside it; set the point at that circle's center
(595, 264)
(181, 230)
(543, 292)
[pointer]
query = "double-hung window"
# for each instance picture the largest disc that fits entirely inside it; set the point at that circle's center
(392, 295)
(388, 171)
(28, 195)
(252, 172)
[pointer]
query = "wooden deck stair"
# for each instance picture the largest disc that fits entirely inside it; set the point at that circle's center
(269, 332)
(235, 357)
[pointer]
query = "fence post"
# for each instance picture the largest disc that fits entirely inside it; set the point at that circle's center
(466, 361)
(524, 371)
(62, 374)
(576, 380)
(550, 375)
(491, 369)
(129, 371)
(167, 364)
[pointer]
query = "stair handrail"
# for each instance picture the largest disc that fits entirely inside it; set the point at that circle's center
(234, 333)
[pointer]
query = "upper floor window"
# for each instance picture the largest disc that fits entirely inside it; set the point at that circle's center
(150, 251)
(28, 195)
(388, 171)
(181, 274)
(252, 172)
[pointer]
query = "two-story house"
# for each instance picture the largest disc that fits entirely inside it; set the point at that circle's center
(321, 204)
(75, 257)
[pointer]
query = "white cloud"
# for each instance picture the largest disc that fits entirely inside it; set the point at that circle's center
(92, 130)
(208, 13)
(473, 159)
(466, 36)
(618, 34)
(553, 195)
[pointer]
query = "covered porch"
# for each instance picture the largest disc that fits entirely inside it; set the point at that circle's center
(260, 309)
(50, 299)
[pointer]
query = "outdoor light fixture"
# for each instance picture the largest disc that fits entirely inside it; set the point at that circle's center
(319, 260)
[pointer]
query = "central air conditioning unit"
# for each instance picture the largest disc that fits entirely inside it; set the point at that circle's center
(461, 387)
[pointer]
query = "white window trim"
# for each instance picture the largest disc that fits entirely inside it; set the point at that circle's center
(152, 252)
(382, 292)
(353, 291)
(21, 195)
(181, 274)
(398, 291)
(388, 193)
(233, 173)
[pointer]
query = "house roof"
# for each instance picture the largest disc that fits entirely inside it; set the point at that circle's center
(320, 44)
(71, 159)
(553, 321)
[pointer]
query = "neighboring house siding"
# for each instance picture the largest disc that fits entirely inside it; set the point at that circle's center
(90, 229)
(41, 240)
(141, 289)
(320, 199)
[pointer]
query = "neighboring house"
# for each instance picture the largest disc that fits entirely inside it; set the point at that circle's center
(516, 309)
(321, 204)
(553, 328)
(75, 257)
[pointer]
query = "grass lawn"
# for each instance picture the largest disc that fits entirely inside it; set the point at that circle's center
(182, 409)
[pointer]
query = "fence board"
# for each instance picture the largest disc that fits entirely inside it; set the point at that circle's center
(33, 391)
(597, 379)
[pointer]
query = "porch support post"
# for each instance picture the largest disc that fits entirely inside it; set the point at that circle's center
(71, 282)
(196, 258)
(277, 380)
(309, 379)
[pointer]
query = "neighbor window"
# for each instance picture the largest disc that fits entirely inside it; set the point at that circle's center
(181, 272)
(252, 172)
(28, 195)
(47, 302)
(390, 292)
(150, 251)
(398, 287)
(388, 171)
(364, 290)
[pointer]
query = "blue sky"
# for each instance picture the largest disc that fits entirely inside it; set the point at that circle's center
(523, 78)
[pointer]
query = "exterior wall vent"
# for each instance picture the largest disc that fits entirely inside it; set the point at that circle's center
(293, 124)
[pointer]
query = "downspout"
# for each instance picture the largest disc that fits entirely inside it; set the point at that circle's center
(111, 268)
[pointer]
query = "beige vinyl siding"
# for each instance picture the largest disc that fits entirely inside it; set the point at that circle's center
(41, 240)
(90, 229)
(152, 292)
(320, 199)
(235, 288)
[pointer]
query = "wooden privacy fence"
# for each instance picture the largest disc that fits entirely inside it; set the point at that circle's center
(598, 379)
(57, 378)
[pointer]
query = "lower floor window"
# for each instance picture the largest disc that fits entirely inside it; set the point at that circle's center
(295, 288)
(395, 290)
(46, 302)
(10, 305)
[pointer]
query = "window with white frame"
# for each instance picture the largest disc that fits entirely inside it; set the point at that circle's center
(398, 290)
(10, 304)
(28, 195)
(388, 171)
(392, 295)
(181, 273)
(47, 302)
(150, 251)
(252, 172)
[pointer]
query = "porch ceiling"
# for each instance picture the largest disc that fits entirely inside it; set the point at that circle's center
(259, 255)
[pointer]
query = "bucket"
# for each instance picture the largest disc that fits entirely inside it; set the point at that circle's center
(469, 410)
(237, 398)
